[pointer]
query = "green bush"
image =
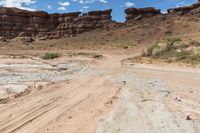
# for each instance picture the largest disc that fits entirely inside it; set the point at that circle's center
(49, 56)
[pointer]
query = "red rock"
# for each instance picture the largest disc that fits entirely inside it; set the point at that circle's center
(16, 22)
(193, 9)
(139, 13)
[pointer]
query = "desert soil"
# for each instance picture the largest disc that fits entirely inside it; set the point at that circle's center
(80, 94)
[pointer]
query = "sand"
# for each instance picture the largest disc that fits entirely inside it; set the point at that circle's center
(101, 95)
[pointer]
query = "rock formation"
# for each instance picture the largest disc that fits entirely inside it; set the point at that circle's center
(73, 23)
(16, 22)
(138, 13)
(193, 9)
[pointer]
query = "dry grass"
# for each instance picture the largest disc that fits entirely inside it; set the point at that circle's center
(173, 50)
(49, 56)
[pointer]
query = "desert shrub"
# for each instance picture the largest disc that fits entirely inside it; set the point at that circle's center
(150, 50)
(181, 46)
(195, 57)
(156, 50)
(172, 40)
(124, 46)
(97, 56)
(170, 43)
(181, 55)
(50, 45)
(198, 51)
(194, 43)
(168, 52)
(49, 56)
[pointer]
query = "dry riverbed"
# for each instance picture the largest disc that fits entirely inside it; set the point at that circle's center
(82, 94)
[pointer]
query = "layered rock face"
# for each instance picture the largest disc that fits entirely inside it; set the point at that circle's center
(72, 23)
(193, 9)
(139, 13)
(15, 22)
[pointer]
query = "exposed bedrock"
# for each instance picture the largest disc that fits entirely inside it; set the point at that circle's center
(16, 22)
(192, 9)
(39, 24)
(139, 13)
(73, 23)
(134, 14)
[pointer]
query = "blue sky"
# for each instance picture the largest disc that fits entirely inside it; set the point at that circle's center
(118, 6)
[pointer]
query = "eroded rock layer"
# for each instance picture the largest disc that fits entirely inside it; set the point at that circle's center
(192, 9)
(16, 22)
(139, 13)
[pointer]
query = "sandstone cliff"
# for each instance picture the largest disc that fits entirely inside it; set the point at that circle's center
(193, 9)
(139, 13)
(15, 22)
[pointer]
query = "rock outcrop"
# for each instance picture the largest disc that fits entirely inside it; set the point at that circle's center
(193, 9)
(73, 23)
(38, 24)
(16, 22)
(139, 13)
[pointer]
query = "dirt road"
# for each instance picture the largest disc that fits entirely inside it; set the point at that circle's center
(110, 97)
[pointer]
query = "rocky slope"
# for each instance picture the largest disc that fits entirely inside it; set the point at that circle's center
(15, 22)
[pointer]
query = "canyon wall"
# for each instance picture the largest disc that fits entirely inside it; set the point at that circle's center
(73, 23)
(16, 22)
(192, 9)
(134, 14)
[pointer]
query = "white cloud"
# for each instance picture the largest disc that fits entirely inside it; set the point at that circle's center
(49, 7)
(129, 4)
(62, 8)
(22, 4)
(63, 4)
(164, 11)
(103, 1)
(85, 1)
(85, 7)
